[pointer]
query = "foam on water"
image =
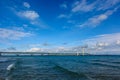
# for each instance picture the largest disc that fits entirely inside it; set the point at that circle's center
(11, 66)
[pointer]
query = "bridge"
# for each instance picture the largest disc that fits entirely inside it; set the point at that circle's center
(36, 53)
(21, 53)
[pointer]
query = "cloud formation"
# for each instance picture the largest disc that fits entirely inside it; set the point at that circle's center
(63, 16)
(82, 6)
(86, 6)
(29, 14)
(34, 50)
(107, 4)
(100, 44)
(97, 19)
(102, 10)
(12, 34)
(26, 4)
(103, 43)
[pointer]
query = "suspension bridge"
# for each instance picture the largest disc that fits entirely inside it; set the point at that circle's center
(40, 53)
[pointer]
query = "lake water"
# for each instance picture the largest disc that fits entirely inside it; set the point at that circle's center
(60, 68)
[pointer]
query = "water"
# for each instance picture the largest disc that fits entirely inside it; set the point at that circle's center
(60, 68)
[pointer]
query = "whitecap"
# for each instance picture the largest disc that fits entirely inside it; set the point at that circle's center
(11, 66)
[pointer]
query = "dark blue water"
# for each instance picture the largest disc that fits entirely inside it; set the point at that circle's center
(60, 68)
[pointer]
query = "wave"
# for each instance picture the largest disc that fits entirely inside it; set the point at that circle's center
(11, 67)
(99, 60)
(66, 70)
(116, 62)
(73, 73)
(106, 64)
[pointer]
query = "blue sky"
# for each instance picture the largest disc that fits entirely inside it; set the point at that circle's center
(59, 25)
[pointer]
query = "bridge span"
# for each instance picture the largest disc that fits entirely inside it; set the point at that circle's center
(34, 53)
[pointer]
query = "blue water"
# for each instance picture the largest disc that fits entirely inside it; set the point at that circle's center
(60, 68)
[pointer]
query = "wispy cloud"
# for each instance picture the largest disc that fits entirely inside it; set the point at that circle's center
(63, 16)
(107, 38)
(82, 6)
(29, 14)
(45, 44)
(102, 10)
(34, 50)
(107, 4)
(100, 44)
(103, 43)
(33, 17)
(97, 19)
(96, 5)
(12, 34)
(26, 4)
(52, 50)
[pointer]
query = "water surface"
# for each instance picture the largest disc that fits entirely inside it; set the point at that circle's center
(60, 68)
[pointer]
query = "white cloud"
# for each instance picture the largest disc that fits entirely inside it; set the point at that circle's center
(103, 43)
(35, 50)
(97, 19)
(107, 38)
(100, 44)
(39, 23)
(107, 4)
(118, 42)
(83, 6)
(102, 10)
(12, 34)
(31, 15)
(51, 50)
(26, 4)
(105, 8)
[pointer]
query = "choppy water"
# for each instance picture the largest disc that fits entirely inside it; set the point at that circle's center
(60, 68)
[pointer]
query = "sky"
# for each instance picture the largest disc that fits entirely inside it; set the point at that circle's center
(60, 26)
